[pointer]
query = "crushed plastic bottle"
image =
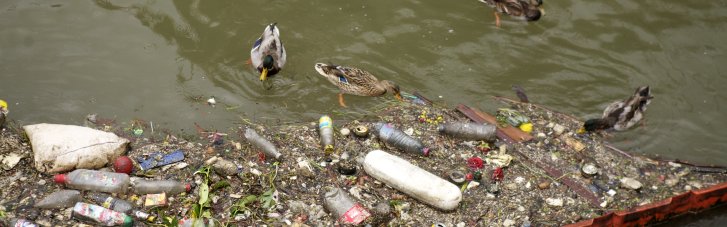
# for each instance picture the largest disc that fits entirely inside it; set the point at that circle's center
(266, 146)
(469, 130)
(110, 202)
(343, 207)
(399, 139)
(325, 130)
(101, 215)
(59, 199)
(144, 216)
(19, 222)
(412, 180)
(93, 180)
(170, 187)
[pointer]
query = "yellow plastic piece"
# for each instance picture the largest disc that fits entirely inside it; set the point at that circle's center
(526, 127)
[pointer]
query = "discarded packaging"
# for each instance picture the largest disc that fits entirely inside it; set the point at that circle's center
(325, 130)
(412, 180)
(100, 215)
(155, 200)
(225, 167)
(500, 160)
(342, 206)
(266, 146)
(10, 161)
(469, 130)
(59, 199)
(93, 180)
(399, 139)
(60, 148)
(19, 222)
(157, 159)
(170, 187)
(110, 202)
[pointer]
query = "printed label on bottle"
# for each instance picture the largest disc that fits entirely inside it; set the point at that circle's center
(325, 122)
(355, 215)
(24, 223)
(99, 214)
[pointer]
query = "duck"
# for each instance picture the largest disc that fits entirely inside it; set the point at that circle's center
(268, 53)
(527, 10)
(621, 115)
(355, 81)
(3, 112)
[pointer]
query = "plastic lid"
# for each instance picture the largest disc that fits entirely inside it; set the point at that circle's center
(59, 178)
(425, 151)
(128, 221)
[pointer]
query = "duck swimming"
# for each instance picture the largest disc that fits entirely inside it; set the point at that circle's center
(527, 10)
(621, 115)
(268, 53)
(356, 81)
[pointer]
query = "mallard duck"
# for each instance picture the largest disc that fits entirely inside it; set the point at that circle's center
(268, 54)
(528, 10)
(3, 112)
(356, 81)
(621, 115)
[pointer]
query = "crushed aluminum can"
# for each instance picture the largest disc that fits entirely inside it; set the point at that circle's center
(157, 159)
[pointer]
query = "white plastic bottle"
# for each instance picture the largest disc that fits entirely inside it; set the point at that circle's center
(93, 180)
(412, 180)
(266, 146)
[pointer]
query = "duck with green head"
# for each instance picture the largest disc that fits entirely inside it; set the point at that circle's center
(621, 115)
(268, 53)
(356, 81)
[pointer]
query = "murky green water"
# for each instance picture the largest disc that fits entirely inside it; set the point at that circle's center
(150, 60)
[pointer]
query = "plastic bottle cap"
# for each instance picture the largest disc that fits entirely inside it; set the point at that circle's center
(188, 187)
(425, 151)
(60, 178)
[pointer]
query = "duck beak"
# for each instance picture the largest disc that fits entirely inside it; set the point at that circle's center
(264, 74)
(542, 12)
(398, 96)
(581, 130)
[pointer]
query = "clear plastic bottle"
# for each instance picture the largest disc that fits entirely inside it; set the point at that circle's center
(101, 215)
(345, 209)
(110, 202)
(170, 187)
(325, 130)
(93, 180)
(60, 199)
(399, 139)
(469, 130)
(19, 222)
(266, 146)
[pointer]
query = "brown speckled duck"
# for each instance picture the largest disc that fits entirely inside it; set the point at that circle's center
(356, 81)
(527, 10)
(621, 115)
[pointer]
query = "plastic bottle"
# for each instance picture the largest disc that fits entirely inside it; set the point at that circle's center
(19, 222)
(170, 187)
(101, 215)
(469, 131)
(144, 216)
(399, 139)
(60, 199)
(325, 130)
(342, 206)
(412, 180)
(266, 146)
(110, 202)
(93, 180)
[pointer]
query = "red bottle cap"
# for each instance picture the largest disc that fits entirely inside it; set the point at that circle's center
(188, 187)
(60, 178)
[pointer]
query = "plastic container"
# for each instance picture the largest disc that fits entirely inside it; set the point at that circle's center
(399, 139)
(325, 130)
(266, 146)
(92, 180)
(412, 180)
(144, 216)
(469, 130)
(110, 202)
(19, 222)
(101, 215)
(60, 199)
(170, 187)
(342, 206)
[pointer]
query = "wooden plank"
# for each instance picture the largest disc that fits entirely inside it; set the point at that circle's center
(509, 134)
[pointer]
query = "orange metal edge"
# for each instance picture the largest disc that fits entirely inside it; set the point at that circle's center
(694, 200)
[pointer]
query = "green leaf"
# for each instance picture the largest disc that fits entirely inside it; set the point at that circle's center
(204, 192)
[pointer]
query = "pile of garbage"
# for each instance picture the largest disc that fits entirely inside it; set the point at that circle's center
(412, 164)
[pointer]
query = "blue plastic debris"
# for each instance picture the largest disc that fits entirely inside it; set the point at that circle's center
(160, 159)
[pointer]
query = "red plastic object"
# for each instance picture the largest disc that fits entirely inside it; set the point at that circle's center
(123, 164)
(691, 201)
(498, 174)
(475, 163)
(60, 178)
